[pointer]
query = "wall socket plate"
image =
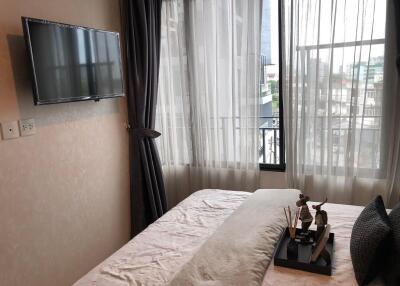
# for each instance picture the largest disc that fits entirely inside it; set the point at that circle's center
(27, 127)
(9, 130)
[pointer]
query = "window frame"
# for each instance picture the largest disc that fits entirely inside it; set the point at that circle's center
(281, 167)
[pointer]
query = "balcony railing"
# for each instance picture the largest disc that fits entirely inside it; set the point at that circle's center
(269, 140)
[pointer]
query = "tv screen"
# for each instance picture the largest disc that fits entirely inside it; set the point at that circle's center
(71, 63)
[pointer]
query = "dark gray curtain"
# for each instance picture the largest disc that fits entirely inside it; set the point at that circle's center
(397, 17)
(141, 21)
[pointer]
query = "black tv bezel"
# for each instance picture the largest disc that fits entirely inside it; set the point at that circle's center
(35, 88)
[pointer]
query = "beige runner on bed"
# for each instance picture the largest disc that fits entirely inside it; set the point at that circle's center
(240, 250)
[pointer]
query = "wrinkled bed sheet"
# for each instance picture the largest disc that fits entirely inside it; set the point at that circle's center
(154, 256)
(157, 253)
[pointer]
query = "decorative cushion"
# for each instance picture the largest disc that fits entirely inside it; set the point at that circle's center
(392, 269)
(394, 218)
(368, 243)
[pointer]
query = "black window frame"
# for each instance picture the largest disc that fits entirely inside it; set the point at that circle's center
(281, 167)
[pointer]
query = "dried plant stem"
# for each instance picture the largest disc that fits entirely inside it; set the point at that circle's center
(291, 227)
(287, 220)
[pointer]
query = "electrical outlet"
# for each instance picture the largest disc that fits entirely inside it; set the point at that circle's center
(9, 130)
(27, 127)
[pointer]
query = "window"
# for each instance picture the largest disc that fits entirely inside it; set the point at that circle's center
(271, 152)
(338, 85)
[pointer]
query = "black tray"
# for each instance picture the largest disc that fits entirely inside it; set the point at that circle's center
(305, 251)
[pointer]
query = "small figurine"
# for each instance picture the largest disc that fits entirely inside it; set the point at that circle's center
(305, 215)
(319, 249)
(321, 219)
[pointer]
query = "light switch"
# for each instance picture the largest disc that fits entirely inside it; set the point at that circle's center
(10, 130)
(27, 127)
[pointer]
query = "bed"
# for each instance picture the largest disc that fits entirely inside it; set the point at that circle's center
(155, 256)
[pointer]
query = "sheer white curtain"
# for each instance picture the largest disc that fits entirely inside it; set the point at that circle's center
(209, 95)
(337, 127)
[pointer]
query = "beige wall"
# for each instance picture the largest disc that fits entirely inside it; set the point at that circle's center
(64, 195)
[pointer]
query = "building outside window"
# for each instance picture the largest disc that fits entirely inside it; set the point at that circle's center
(342, 90)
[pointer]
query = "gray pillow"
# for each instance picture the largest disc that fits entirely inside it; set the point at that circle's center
(368, 242)
(394, 218)
(392, 267)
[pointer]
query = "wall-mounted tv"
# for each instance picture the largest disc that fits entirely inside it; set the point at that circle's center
(71, 63)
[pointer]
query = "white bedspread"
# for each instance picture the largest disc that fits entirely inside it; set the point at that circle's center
(156, 254)
(159, 252)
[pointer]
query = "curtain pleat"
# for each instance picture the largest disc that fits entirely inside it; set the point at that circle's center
(142, 19)
(334, 99)
(209, 95)
(396, 11)
(392, 104)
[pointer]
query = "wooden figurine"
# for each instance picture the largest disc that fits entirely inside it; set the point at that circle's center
(321, 219)
(305, 215)
(319, 249)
